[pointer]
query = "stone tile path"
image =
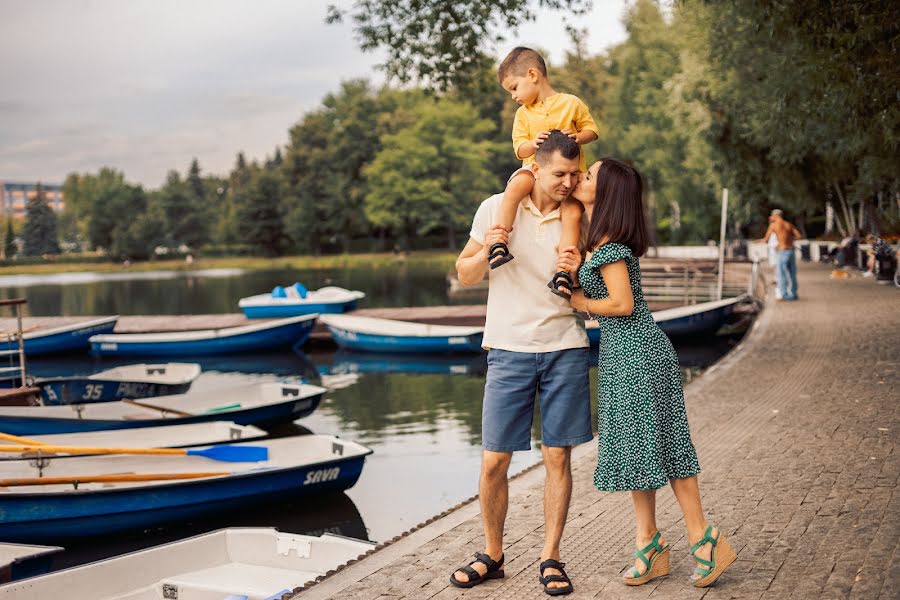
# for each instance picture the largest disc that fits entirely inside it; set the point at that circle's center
(797, 432)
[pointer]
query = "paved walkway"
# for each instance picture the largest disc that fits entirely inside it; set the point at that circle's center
(796, 431)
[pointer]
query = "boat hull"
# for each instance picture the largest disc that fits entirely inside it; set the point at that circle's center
(281, 336)
(366, 342)
(85, 390)
(43, 517)
(67, 339)
(274, 311)
(269, 414)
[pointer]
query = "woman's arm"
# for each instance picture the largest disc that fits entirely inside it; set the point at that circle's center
(620, 302)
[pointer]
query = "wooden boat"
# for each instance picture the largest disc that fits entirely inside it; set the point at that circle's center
(292, 301)
(281, 333)
(387, 335)
(66, 338)
(234, 563)
(119, 383)
(696, 319)
(18, 561)
(78, 496)
(254, 404)
(166, 436)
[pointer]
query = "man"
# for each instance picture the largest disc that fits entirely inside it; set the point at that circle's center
(536, 345)
(786, 260)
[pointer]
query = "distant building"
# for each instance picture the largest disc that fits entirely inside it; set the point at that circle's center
(15, 195)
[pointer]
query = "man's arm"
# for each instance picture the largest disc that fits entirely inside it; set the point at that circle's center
(472, 263)
(769, 232)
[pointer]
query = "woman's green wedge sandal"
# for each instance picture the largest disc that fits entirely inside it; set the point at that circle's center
(657, 565)
(721, 558)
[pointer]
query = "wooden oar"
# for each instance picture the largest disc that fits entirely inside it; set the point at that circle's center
(180, 413)
(21, 440)
(118, 478)
(222, 453)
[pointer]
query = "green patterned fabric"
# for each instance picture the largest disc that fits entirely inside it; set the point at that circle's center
(644, 439)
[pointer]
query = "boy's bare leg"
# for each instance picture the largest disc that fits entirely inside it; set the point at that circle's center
(493, 495)
(557, 496)
(570, 214)
(516, 191)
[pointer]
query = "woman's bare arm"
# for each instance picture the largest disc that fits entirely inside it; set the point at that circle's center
(621, 300)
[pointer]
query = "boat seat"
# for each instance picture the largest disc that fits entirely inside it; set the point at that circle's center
(241, 579)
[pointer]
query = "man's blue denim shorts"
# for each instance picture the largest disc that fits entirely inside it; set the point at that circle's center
(560, 379)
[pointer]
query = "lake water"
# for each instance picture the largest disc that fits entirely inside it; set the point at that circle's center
(420, 415)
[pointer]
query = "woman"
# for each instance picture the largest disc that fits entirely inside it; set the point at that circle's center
(644, 440)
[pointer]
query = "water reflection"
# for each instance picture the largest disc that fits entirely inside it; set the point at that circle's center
(204, 292)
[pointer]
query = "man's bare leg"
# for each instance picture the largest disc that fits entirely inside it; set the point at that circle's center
(493, 495)
(557, 495)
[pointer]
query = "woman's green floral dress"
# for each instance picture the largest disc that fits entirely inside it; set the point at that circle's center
(642, 425)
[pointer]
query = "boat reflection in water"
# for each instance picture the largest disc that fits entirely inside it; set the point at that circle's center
(347, 361)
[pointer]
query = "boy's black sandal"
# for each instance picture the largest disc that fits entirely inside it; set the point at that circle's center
(562, 280)
(498, 255)
(494, 571)
(562, 578)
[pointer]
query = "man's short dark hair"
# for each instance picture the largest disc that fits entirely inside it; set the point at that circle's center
(557, 141)
(519, 61)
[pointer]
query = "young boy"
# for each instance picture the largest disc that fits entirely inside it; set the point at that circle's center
(523, 74)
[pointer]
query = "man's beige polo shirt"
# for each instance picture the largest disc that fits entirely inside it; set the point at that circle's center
(522, 314)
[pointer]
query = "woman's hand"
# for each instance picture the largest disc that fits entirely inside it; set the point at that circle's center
(579, 301)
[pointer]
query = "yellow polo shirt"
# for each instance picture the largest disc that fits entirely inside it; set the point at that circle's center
(522, 314)
(559, 111)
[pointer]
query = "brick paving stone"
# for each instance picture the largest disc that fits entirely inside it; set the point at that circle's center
(797, 435)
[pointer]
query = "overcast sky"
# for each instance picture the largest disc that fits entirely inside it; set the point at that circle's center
(145, 85)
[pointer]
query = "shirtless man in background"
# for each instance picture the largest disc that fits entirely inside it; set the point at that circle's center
(786, 261)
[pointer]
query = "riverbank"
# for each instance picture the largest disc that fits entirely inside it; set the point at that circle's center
(800, 471)
(438, 258)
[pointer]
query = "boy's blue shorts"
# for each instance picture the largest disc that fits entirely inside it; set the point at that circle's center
(560, 379)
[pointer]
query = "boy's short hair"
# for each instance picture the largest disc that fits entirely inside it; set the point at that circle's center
(518, 61)
(557, 141)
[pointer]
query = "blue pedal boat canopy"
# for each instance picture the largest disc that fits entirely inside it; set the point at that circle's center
(294, 300)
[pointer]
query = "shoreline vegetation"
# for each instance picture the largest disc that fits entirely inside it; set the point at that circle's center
(425, 258)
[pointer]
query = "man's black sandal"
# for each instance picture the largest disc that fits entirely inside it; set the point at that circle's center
(494, 571)
(562, 578)
(499, 255)
(562, 280)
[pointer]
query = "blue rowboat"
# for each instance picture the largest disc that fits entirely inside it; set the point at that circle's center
(296, 466)
(387, 335)
(18, 561)
(281, 333)
(256, 404)
(696, 319)
(296, 300)
(55, 340)
(119, 383)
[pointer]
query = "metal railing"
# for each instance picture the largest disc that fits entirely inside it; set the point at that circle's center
(13, 347)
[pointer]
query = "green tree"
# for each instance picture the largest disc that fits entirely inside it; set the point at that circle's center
(324, 160)
(9, 241)
(438, 44)
(39, 233)
(186, 216)
(260, 213)
(431, 175)
(103, 202)
(138, 239)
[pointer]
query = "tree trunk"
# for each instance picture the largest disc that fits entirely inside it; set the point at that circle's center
(451, 238)
(848, 215)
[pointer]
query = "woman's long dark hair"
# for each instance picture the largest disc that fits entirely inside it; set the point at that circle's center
(618, 212)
